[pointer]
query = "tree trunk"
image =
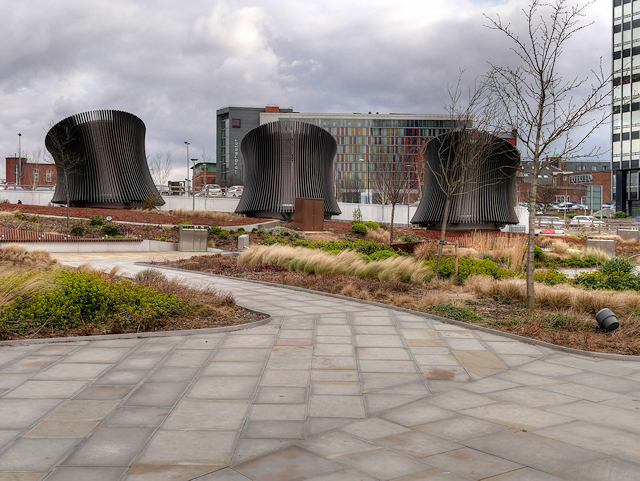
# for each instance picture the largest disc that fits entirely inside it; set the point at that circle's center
(393, 211)
(531, 295)
(443, 232)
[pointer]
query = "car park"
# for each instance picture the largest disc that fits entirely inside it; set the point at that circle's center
(585, 221)
(235, 191)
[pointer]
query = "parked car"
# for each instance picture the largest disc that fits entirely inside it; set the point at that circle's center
(211, 190)
(235, 191)
(12, 187)
(585, 221)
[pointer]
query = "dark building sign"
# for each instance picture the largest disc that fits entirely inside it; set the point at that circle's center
(581, 179)
(235, 123)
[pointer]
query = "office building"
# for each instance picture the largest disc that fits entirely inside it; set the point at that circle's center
(232, 123)
(625, 125)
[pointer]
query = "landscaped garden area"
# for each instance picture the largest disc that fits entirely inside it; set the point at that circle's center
(41, 298)
(488, 289)
(351, 260)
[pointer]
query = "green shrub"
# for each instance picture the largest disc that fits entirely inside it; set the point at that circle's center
(26, 217)
(382, 255)
(538, 253)
(409, 238)
(616, 265)
(80, 298)
(454, 312)
(215, 230)
(557, 262)
(620, 214)
(357, 216)
(111, 229)
(359, 229)
(371, 225)
(77, 231)
(96, 220)
(241, 229)
(468, 267)
(224, 234)
(614, 282)
(551, 277)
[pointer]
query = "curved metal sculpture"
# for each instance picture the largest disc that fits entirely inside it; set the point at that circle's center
(100, 158)
(486, 200)
(285, 160)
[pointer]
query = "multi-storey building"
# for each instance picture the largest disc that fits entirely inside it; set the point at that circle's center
(625, 135)
(232, 123)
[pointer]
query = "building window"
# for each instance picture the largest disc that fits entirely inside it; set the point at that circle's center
(48, 175)
(594, 168)
(562, 198)
(605, 167)
(36, 175)
(235, 123)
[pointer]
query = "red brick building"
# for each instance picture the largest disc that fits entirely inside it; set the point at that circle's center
(28, 175)
(565, 181)
(204, 173)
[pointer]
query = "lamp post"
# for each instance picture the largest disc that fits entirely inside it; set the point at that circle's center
(186, 183)
(19, 180)
(368, 193)
(193, 186)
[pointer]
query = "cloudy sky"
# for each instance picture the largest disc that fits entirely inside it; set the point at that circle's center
(174, 63)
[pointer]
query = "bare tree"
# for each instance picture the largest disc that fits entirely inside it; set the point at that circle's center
(392, 175)
(160, 167)
(462, 154)
(59, 142)
(538, 103)
(37, 158)
(547, 194)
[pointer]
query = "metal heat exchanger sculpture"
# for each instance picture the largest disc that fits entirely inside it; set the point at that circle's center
(285, 160)
(100, 157)
(487, 197)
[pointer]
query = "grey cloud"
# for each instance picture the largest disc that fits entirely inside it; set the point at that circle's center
(174, 64)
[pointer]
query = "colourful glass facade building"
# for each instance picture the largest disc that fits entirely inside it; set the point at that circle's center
(369, 143)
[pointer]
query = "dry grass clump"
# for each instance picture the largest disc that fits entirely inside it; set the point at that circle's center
(559, 297)
(312, 261)
(507, 249)
(559, 246)
(203, 214)
(426, 250)
(379, 235)
(18, 254)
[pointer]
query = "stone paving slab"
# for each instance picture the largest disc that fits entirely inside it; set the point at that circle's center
(329, 390)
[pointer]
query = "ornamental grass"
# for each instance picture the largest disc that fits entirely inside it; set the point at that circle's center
(348, 262)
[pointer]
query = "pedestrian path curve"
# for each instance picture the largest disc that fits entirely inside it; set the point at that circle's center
(329, 389)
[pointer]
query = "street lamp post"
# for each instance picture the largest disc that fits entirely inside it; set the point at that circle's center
(193, 185)
(186, 182)
(368, 192)
(19, 180)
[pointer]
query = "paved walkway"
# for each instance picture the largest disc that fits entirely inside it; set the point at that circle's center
(330, 390)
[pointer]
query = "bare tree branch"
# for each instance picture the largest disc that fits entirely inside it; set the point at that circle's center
(538, 103)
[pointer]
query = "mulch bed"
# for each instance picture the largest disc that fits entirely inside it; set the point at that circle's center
(125, 215)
